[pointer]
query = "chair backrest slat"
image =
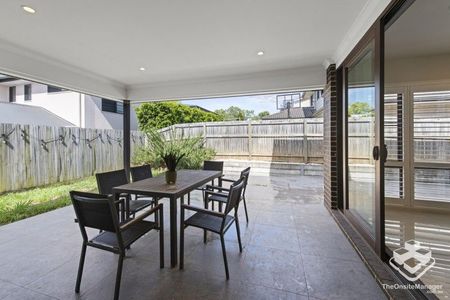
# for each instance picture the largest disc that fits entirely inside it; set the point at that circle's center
(212, 165)
(234, 195)
(95, 211)
(109, 180)
(141, 172)
(245, 174)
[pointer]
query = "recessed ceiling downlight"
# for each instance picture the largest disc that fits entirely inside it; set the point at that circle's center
(28, 9)
(141, 69)
(260, 53)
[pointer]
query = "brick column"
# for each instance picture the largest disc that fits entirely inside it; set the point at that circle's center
(330, 140)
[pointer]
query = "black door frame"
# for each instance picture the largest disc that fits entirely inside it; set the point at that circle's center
(376, 34)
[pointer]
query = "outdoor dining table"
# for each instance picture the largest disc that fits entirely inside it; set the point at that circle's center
(187, 181)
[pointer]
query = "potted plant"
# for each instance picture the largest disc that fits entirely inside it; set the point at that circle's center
(171, 148)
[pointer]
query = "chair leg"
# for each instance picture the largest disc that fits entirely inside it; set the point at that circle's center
(238, 230)
(224, 253)
(189, 198)
(220, 206)
(118, 277)
(80, 268)
(245, 209)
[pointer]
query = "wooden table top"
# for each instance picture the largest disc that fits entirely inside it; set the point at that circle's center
(187, 180)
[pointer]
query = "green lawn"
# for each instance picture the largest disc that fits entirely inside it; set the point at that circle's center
(20, 205)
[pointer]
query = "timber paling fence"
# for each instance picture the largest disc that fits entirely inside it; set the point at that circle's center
(293, 140)
(32, 155)
(38, 155)
(301, 140)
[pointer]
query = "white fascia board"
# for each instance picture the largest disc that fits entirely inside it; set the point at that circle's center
(27, 65)
(249, 84)
(368, 15)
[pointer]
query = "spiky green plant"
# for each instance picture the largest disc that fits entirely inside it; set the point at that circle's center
(172, 147)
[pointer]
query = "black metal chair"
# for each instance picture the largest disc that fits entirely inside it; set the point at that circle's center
(213, 165)
(209, 165)
(100, 212)
(213, 221)
(222, 195)
(141, 173)
(108, 180)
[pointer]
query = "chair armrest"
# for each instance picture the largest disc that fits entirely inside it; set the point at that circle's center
(202, 210)
(208, 192)
(213, 187)
(121, 198)
(141, 217)
(227, 180)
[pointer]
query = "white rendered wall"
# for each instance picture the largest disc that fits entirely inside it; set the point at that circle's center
(4, 92)
(64, 104)
(96, 118)
(81, 110)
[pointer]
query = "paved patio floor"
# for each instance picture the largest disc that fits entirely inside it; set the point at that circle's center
(293, 249)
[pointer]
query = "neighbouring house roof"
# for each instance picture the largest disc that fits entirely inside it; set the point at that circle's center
(202, 108)
(293, 113)
(32, 115)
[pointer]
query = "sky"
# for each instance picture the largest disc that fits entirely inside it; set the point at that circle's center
(256, 103)
(363, 94)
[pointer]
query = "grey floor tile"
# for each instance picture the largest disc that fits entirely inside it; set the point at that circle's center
(275, 237)
(26, 294)
(280, 219)
(275, 268)
(330, 278)
(7, 288)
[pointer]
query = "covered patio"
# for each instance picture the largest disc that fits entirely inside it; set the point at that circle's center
(308, 237)
(292, 250)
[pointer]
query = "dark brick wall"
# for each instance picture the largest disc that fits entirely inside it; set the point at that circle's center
(330, 139)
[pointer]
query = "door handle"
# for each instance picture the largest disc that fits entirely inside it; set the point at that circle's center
(376, 153)
(380, 154)
(384, 153)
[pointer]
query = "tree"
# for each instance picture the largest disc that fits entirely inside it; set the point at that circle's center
(163, 114)
(359, 108)
(262, 115)
(234, 113)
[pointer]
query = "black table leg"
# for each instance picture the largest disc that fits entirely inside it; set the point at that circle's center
(173, 232)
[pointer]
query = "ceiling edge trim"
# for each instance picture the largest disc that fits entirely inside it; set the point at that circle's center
(368, 15)
(23, 64)
(227, 86)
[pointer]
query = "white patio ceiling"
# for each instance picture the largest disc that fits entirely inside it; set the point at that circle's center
(189, 49)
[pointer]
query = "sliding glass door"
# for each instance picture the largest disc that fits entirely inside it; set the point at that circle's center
(360, 106)
(363, 149)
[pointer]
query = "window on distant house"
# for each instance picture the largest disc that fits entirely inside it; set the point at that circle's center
(112, 106)
(119, 107)
(54, 89)
(27, 92)
(12, 94)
